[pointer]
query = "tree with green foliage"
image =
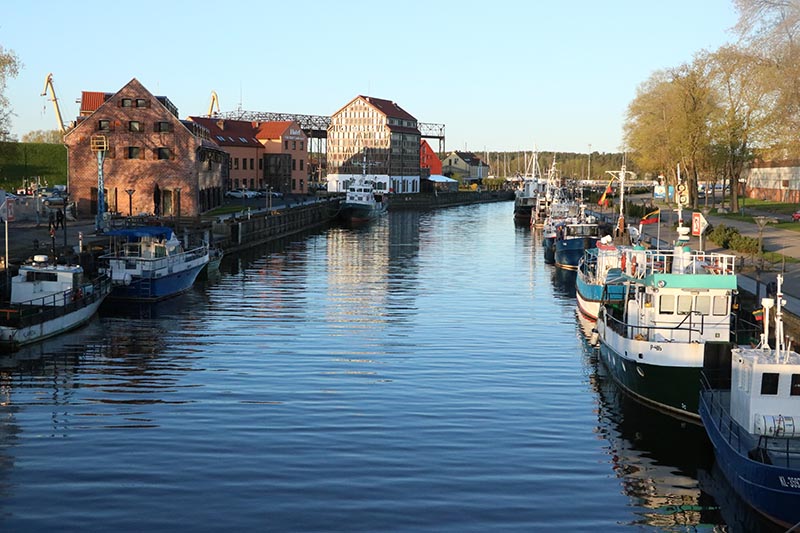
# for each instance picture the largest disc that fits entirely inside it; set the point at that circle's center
(743, 114)
(9, 68)
(770, 30)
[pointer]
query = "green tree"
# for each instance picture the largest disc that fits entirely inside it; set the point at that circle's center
(9, 68)
(743, 114)
(770, 29)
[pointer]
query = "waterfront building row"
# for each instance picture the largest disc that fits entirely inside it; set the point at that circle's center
(156, 162)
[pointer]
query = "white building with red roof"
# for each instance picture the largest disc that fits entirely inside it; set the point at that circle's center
(375, 137)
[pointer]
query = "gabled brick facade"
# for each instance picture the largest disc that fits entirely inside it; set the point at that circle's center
(151, 151)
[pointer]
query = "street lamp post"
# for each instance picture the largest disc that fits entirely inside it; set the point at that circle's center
(130, 201)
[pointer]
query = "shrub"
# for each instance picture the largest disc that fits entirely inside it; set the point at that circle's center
(744, 244)
(723, 235)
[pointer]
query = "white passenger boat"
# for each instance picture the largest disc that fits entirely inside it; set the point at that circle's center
(48, 299)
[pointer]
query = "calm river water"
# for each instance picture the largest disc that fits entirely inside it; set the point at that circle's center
(427, 374)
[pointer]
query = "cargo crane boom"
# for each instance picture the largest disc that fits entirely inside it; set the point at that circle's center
(48, 83)
(214, 100)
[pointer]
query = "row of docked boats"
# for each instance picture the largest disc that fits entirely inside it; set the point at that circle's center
(146, 264)
(666, 331)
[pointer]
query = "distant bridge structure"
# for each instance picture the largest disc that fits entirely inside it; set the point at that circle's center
(316, 126)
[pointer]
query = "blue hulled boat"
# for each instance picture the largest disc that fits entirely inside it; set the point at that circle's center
(149, 264)
(753, 421)
(573, 237)
(598, 271)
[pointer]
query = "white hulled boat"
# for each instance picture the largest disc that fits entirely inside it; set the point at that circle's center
(674, 318)
(48, 299)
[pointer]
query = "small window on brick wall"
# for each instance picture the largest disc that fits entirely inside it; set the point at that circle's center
(135, 152)
(163, 153)
(162, 127)
(135, 125)
(126, 102)
(104, 125)
(141, 102)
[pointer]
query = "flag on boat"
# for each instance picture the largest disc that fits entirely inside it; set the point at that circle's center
(651, 217)
(608, 191)
(758, 314)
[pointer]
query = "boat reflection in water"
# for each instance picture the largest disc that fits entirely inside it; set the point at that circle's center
(655, 457)
(563, 283)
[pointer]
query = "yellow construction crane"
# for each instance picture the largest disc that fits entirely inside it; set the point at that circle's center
(48, 83)
(214, 100)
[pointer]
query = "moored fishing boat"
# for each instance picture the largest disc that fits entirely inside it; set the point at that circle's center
(674, 319)
(149, 263)
(753, 421)
(362, 202)
(525, 200)
(598, 270)
(573, 237)
(527, 196)
(48, 299)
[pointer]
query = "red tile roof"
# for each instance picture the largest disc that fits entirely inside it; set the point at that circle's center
(272, 130)
(91, 101)
(229, 132)
(388, 108)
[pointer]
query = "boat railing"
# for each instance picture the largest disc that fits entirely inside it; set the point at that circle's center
(45, 308)
(647, 333)
(153, 264)
(695, 262)
(775, 451)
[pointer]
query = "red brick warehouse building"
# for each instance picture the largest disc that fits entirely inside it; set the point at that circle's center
(150, 152)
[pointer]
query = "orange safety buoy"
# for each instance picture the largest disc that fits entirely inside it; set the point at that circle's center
(624, 257)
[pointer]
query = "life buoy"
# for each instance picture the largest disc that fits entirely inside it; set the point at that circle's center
(623, 262)
(633, 265)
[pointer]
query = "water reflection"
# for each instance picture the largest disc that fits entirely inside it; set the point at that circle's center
(563, 283)
(655, 457)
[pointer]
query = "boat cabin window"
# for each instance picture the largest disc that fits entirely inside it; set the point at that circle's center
(684, 304)
(666, 304)
(41, 276)
(703, 305)
(720, 305)
(795, 390)
(160, 250)
(769, 383)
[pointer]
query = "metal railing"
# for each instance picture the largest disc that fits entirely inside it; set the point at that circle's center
(46, 308)
(630, 331)
(775, 451)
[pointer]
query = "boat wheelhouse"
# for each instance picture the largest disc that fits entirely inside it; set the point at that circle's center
(149, 263)
(48, 299)
(674, 320)
(752, 418)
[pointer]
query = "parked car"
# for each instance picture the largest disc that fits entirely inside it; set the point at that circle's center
(241, 193)
(796, 216)
(276, 194)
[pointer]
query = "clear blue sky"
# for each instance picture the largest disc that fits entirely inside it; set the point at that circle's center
(501, 75)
